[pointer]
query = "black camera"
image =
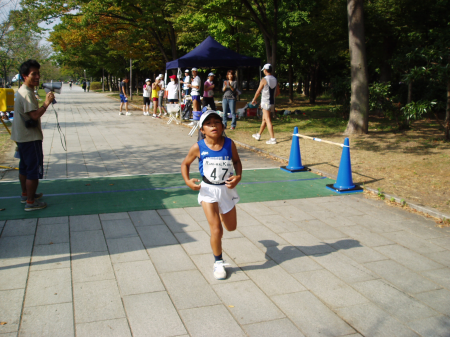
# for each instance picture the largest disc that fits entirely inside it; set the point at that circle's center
(31, 123)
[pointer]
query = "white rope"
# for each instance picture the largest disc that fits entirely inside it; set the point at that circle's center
(320, 140)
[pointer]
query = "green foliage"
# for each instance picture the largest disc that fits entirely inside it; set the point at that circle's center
(379, 98)
(416, 110)
(96, 85)
(380, 194)
(341, 92)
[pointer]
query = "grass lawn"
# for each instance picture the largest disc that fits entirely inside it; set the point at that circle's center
(412, 164)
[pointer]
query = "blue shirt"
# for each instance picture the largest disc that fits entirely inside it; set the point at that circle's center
(216, 166)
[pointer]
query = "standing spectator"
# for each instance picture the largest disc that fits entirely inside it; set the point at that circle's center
(229, 99)
(269, 89)
(156, 87)
(27, 133)
(172, 89)
(83, 85)
(208, 93)
(70, 84)
(161, 95)
(147, 91)
(186, 81)
(195, 90)
(88, 85)
(123, 96)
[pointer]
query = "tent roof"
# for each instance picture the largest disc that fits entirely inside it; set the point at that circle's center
(211, 54)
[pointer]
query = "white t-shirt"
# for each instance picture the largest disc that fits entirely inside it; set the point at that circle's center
(186, 81)
(147, 90)
(197, 82)
(268, 92)
(162, 86)
(172, 89)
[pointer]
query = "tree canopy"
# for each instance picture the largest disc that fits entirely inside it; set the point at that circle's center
(307, 41)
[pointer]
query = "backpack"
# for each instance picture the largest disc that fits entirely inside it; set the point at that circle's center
(186, 113)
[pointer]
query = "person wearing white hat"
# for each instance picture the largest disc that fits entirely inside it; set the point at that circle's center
(185, 82)
(146, 93)
(208, 92)
(269, 89)
(161, 95)
(195, 85)
(218, 158)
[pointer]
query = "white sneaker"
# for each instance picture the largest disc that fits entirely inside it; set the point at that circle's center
(129, 113)
(121, 113)
(257, 136)
(219, 270)
(191, 124)
(272, 141)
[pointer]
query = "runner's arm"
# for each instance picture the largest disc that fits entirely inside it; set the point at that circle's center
(235, 179)
(278, 91)
(194, 152)
(258, 92)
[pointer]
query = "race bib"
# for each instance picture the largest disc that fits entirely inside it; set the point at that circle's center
(217, 171)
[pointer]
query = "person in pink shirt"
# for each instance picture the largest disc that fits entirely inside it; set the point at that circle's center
(208, 94)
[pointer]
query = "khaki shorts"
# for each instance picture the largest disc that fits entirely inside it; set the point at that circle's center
(268, 107)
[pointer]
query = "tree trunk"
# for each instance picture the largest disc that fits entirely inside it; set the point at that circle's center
(447, 113)
(137, 83)
(359, 107)
(409, 92)
(307, 79)
(299, 86)
(291, 83)
(313, 87)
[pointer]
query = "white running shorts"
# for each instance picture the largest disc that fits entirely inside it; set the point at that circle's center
(268, 107)
(225, 197)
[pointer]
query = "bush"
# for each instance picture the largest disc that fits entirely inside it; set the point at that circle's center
(96, 85)
(341, 92)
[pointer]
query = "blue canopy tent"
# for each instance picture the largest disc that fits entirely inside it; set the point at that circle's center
(211, 54)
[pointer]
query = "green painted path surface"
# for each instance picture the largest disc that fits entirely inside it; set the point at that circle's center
(134, 193)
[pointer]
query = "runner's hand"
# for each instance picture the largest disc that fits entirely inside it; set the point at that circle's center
(232, 181)
(254, 102)
(192, 184)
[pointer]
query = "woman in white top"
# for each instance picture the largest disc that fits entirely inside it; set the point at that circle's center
(269, 89)
(147, 92)
(172, 90)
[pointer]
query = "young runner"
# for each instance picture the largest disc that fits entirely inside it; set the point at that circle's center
(162, 85)
(172, 90)
(147, 91)
(217, 158)
(185, 82)
(208, 93)
(156, 87)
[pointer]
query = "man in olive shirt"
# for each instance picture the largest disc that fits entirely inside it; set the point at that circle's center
(27, 133)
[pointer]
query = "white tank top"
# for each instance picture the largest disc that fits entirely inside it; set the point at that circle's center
(268, 92)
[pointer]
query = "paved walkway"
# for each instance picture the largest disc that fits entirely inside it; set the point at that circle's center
(333, 266)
